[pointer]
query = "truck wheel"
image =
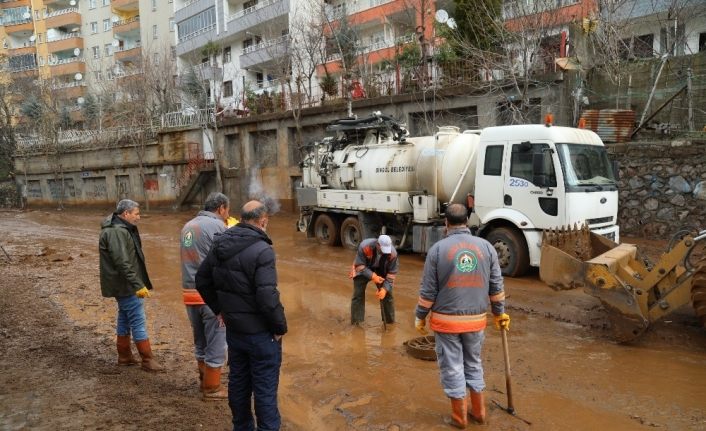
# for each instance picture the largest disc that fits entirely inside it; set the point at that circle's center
(326, 230)
(351, 233)
(512, 251)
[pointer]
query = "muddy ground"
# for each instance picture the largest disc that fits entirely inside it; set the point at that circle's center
(58, 355)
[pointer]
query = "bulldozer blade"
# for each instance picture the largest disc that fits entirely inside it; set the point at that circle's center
(618, 299)
(559, 270)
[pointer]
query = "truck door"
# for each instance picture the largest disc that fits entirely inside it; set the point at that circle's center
(531, 186)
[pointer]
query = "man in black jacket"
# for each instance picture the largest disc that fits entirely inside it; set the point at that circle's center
(238, 280)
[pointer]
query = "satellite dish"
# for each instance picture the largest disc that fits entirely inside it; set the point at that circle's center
(116, 42)
(72, 2)
(32, 38)
(78, 76)
(116, 19)
(441, 16)
(80, 100)
(26, 15)
(451, 23)
(77, 52)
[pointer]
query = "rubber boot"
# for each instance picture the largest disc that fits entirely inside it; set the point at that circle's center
(459, 410)
(148, 361)
(212, 389)
(124, 351)
(202, 368)
(477, 413)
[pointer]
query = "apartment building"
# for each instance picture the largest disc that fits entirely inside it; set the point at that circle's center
(251, 37)
(78, 46)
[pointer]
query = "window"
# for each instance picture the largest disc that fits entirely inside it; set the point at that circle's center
(702, 42)
(172, 51)
(521, 164)
(41, 60)
(98, 75)
(91, 4)
(94, 27)
(228, 89)
(493, 160)
(154, 31)
(226, 55)
(106, 2)
(109, 74)
(154, 5)
(259, 79)
(108, 49)
(106, 24)
(96, 50)
(40, 36)
(172, 26)
(155, 58)
(197, 24)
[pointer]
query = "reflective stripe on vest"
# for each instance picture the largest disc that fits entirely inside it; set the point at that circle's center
(192, 297)
(456, 324)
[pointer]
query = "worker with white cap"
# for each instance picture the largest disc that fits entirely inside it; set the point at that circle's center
(376, 261)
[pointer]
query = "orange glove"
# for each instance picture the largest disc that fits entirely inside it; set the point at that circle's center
(502, 321)
(377, 279)
(420, 324)
(381, 293)
(353, 272)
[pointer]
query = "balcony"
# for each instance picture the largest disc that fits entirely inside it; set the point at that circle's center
(8, 4)
(65, 42)
(24, 25)
(127, 25)
(262, 12)
(128, 54)
(64, 18)
(68, 66)
(205, 71)
(264, 52)
(30, 70)
(26, 48)
(125, 5)
(69, 90)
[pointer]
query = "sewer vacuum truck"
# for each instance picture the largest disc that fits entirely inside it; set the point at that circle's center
(372, 178)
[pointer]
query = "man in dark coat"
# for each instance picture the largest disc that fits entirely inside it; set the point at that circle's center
(123, 276)
(238, 280)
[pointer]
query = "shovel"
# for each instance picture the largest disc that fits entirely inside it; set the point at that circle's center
(382, 313)
(508, 380)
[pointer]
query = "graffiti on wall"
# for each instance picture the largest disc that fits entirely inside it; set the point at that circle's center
(151, 183)
(122, 186)
(55, 188)
(34, 189)
(95, 188)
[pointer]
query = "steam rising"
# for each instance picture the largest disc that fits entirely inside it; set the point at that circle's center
(257, 191)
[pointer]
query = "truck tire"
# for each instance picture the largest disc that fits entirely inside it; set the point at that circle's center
(351, 233)
(512, 251)
(326, 230)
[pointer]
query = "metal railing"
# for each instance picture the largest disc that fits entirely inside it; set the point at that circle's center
(64, 37)
(252, 9)
(187, 118)
(265, 44)
(85, 139)
(126, 21)
(196, 33)
(60, 12)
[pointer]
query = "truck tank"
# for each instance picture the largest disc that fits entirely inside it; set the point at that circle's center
(415, 164)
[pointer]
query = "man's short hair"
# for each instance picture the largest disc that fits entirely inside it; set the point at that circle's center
(215, 200)
(456, 214)
(126, 205)
(254, 214)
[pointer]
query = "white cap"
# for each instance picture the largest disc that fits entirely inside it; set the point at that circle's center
(385, 244)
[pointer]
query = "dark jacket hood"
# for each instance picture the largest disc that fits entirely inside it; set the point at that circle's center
(114, 220)
(237, 239)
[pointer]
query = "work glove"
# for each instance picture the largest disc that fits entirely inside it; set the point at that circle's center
(143, 293)
(353, 272)
(420, 325)
(502, 321)
(381, 293)
(377, 279)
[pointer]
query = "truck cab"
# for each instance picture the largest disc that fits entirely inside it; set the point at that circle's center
(535, 177)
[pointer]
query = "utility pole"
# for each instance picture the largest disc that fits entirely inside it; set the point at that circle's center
(690, 100)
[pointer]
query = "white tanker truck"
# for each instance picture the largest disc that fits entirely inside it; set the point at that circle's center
(370, 178)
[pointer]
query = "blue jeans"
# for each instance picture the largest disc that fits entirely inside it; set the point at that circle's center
(255, 360)
(209, 335)
(131, 317)
(460, 365)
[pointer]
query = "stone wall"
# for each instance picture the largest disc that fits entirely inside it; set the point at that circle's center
(662, 187)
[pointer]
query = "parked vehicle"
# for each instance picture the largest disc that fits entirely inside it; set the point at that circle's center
(371, 177)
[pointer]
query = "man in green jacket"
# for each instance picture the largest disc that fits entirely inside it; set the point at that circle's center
(124, 277)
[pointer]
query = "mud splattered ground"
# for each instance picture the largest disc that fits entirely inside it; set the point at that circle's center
(57, 344)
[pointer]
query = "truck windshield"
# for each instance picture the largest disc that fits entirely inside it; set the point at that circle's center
(585, 165)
